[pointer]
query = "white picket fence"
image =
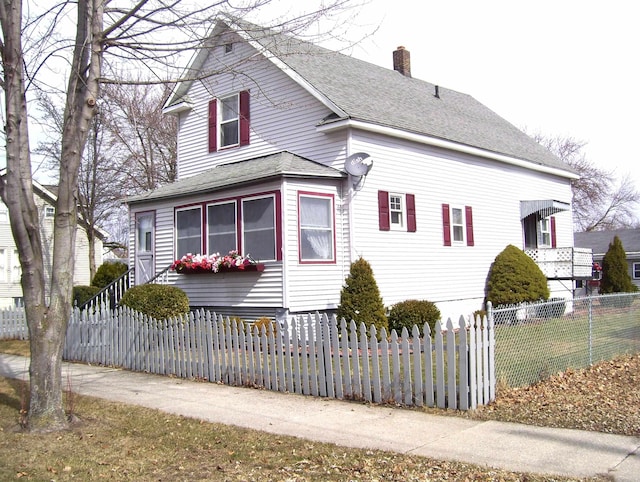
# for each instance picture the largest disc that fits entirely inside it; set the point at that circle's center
(311, 355)
(13, 324)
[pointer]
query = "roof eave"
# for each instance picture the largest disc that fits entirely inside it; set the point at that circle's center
(296, 175)
(442, 143)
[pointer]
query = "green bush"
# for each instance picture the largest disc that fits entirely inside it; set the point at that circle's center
(413, 312)
(82, 294)
(360, 299)
(107, 273)
(515, 278)
(157, 301)
(615, 270)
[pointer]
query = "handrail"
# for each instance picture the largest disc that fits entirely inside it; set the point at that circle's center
(122, 282)
(112, 293)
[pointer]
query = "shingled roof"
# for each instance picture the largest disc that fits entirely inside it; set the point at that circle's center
(361, 91)
(281, 164)
(599, 241)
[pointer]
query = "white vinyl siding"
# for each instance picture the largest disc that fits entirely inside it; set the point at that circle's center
(418, 265)
(282, 114)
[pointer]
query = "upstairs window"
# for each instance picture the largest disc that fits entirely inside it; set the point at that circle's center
(457, 225)
(229, 121)
(49, 212)
(396, 211)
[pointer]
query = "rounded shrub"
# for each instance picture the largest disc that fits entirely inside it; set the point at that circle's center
(515, 278)
(413, 312)
(360, 298)
(107, 273)
(82, 294)
(157, 301)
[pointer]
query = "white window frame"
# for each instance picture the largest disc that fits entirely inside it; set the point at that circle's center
(544, 232)
(397, 211)
(223, 122)
(245, 250)
(3, 265)
(178, 238)
(462, 225)
(4, 213)
(233, 202)
(16, 268)
(308, 226)
(636, 270)
(49, 212)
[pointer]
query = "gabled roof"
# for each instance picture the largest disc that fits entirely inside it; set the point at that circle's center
(599, 241)
(359, 91)
(281, 164)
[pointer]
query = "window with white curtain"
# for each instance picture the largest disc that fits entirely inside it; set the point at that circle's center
(316, 227)
(16, 268)
(3, 265)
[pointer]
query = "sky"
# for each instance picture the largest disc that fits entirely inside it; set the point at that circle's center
(562, 68)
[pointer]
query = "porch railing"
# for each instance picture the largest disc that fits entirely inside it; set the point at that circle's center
(563, 263)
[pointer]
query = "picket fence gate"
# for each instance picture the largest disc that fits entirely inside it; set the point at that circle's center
(310, 355)
(13, 324)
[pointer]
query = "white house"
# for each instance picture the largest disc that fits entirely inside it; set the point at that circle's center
(307, 159)
(10, 271)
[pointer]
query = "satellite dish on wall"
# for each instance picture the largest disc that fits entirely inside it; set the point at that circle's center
(358, 164)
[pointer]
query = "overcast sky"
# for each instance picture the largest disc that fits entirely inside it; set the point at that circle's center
(562, 67)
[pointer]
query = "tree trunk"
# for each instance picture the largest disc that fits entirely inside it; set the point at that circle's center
(47, 324)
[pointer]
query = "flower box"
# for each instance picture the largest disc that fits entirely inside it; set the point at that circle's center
(222, 269)
(214, 263)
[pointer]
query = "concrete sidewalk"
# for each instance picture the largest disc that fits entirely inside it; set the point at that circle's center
(516, 447)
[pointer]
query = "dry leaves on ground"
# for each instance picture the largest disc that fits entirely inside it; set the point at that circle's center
(602, 398)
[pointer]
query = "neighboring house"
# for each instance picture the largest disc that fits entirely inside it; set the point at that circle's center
(10, 271)
(306, 159)
(598, 242)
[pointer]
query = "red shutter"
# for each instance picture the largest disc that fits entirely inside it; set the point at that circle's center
(411, 213)
(468, 214)
(446, 225)
(244, 118)
(383, 211)
(213, 125)
(553, 232)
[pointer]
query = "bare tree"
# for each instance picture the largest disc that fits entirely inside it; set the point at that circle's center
(600, 201)
(148, 31)
(143, 140)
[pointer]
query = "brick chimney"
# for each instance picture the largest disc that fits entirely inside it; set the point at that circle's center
(402, 61)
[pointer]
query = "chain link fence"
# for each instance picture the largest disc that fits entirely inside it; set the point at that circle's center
(535, 341)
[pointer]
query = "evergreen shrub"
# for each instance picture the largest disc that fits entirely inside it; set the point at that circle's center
(360, 298)
(107, 273)
(615, 270)
(413, 312)
(515, 278)
(82, 294)
(157, 301)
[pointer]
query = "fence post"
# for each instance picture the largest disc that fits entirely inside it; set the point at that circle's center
(590, 330)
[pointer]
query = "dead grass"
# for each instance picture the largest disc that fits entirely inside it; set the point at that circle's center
(120, 442)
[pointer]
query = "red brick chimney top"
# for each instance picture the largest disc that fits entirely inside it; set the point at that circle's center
(402, 61)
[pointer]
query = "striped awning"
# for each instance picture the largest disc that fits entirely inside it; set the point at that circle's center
(542, 207)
